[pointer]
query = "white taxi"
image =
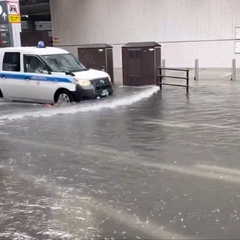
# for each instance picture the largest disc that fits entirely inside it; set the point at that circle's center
(48, 75)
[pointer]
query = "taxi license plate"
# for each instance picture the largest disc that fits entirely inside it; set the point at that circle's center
(104, 93)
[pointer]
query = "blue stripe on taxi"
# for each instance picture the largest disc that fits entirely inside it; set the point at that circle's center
(39, 77)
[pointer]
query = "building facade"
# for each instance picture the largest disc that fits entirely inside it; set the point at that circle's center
(186, 29)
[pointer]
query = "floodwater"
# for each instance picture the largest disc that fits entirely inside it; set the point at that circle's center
(138, 165)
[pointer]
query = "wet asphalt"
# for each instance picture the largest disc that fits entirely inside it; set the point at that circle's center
(138, 165)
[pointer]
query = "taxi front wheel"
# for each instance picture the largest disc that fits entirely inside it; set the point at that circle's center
(63, 97)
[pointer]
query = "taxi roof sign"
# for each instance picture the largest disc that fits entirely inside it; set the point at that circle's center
(41, 44)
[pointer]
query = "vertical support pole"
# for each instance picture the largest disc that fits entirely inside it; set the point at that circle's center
(160, 78)
(233, 78)
(10, 21)
(187, 80)
(196, 77)
(164, 65)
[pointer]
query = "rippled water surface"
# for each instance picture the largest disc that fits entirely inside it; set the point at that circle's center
(138, 165)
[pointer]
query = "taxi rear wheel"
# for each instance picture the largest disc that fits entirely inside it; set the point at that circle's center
(63, 97)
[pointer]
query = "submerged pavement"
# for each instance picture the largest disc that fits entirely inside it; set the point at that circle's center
(138, 165)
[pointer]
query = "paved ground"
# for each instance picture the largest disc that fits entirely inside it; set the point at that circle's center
(204, 74)
(139, 165)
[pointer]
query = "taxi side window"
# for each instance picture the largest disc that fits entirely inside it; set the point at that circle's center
(32, 64)
(11, 62)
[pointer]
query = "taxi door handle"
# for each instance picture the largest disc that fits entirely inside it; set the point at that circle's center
(2, 76)
(27, 78)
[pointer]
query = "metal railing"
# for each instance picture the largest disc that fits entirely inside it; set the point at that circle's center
(161, 76)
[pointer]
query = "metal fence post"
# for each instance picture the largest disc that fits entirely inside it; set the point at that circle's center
(160, 78)
(233, 78)
(196, 77)
(187, 80)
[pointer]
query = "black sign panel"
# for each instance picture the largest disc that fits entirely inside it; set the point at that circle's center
(4, 35)
(31, 2)
(3, 12)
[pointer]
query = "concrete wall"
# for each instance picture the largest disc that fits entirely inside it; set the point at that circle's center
(187, 29)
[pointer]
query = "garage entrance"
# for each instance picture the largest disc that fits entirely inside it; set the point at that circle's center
(36, 22)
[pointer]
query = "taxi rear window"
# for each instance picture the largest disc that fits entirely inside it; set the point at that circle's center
(11, 62)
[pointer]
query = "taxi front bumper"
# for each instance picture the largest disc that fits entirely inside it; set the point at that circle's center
(91, 92)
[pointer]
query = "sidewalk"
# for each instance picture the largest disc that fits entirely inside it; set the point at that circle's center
(204, 74)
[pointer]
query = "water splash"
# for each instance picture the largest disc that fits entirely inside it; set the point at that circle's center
(125, 101)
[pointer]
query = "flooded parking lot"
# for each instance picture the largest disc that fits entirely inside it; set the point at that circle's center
(139, 165)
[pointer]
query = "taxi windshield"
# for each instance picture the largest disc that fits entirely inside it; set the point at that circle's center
(63, 62)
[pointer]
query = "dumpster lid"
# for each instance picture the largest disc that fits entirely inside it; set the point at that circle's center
(141, 44)
(97, 45)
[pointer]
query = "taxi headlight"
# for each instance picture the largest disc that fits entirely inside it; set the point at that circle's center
(83, 83)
